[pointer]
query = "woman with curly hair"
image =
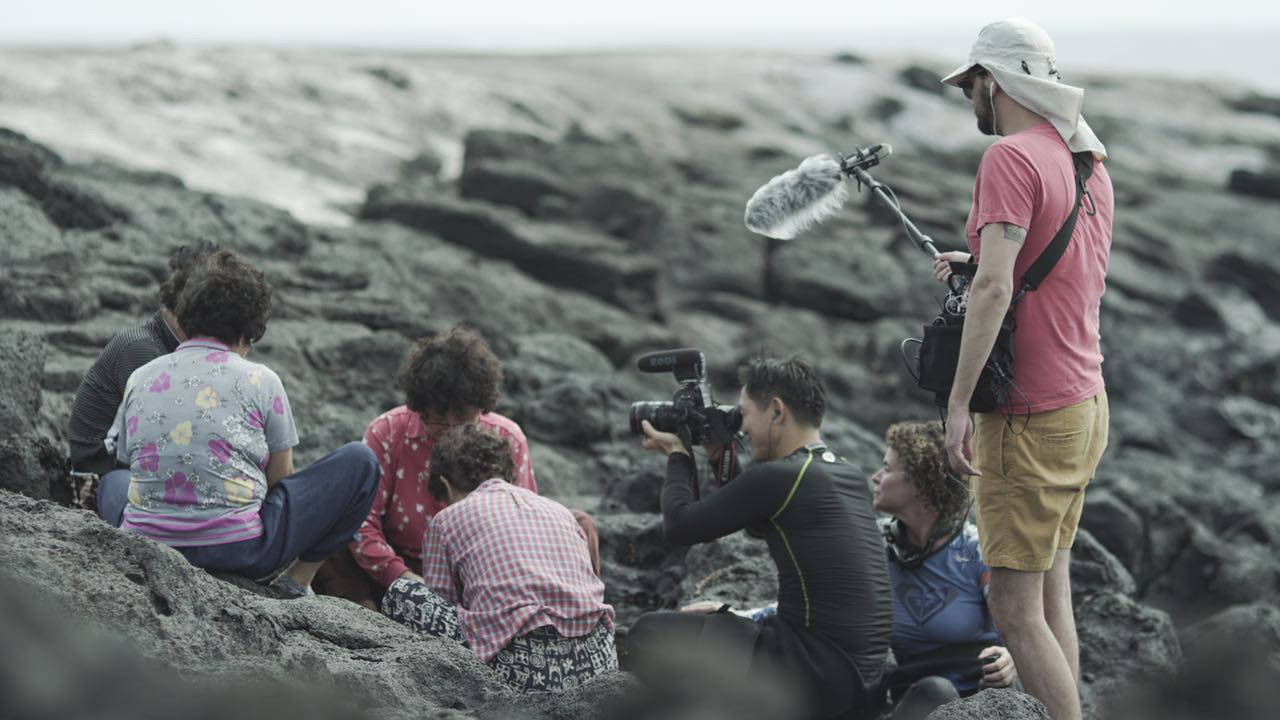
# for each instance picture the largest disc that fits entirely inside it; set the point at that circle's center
(943, 637)
(448, 379)
(505, 572)
(208, 437)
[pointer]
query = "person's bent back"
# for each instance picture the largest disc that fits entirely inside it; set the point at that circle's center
(506, 572)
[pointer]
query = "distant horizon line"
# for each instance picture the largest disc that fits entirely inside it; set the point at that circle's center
(524, 40)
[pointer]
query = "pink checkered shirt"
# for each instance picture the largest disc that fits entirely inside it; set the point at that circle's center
(512, 562)
(391, 536)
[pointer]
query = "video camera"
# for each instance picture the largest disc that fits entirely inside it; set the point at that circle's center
(691, 407)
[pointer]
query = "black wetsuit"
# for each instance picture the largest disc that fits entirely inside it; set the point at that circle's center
(835, 607)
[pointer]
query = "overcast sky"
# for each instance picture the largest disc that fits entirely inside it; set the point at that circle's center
(552, 24)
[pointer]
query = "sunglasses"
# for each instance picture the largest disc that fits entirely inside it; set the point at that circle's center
(966, 85)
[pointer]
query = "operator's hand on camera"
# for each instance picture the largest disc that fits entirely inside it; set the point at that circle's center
(1000, 672)
(942, 263)
(959, 441)
(664, 442)
(702, 607)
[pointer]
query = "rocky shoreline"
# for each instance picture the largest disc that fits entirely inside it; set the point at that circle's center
(578, 219)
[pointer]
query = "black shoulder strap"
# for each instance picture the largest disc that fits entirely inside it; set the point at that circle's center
(1039, 270)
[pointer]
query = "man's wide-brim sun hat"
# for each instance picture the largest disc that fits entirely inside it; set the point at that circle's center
(1022, 59)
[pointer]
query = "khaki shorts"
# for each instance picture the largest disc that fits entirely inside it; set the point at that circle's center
(1031, 490)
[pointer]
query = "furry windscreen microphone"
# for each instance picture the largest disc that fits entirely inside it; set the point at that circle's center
(797, 199)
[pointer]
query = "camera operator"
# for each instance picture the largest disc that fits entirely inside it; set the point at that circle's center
(814, 510)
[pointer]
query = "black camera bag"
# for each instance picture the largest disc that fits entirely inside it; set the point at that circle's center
(940, 346)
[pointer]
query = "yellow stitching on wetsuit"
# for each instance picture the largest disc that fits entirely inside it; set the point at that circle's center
(804, 589)
(794, 486)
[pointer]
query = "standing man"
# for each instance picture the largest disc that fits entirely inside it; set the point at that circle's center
(1029, 486)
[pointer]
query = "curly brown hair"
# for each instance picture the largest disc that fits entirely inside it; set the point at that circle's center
(467, 455)
(226, 299)
(921, 449)
(452, 372)
(181, 263)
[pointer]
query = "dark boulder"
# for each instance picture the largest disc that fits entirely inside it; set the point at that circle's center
(390, 76)
(735, 569)
(527, 187)
(1123, 643)
(1265, 184)
(503, 146)
(1094, 570)
(35, 170)
(1230, 671)
(1116, 526)
(641, 570)
(30, 463)
(555, 253)
(1256, 103)
(1258, 276)
(707, 118)
(923, 78)
(22, 358)
(573, 411)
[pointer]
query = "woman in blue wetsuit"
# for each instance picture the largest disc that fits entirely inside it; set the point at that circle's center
(943, 637)
(944, 641)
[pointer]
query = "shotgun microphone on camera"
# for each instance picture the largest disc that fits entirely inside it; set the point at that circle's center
(668, 360)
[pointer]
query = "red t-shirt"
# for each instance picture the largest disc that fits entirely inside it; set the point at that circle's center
(1028, 179)
(390, 540)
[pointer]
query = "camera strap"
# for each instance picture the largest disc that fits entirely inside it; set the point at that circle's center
(724, 465)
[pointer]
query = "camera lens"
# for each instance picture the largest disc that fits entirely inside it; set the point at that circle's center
(663, 416)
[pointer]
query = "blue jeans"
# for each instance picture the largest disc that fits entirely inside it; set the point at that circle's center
(309, 515)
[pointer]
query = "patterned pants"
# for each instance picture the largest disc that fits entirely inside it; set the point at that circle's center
(541, 660)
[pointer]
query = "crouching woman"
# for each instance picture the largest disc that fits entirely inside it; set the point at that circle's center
(506, 572)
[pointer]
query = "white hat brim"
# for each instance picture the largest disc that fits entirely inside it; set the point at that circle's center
(954, 77)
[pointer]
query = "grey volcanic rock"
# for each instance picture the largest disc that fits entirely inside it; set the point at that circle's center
(30, 463)
(1095, 570)
(1122, 643)
(52, 668)
(617, 229)
(1260, 184)
(1003, 703)
(641, 570)
(558, 254)
(33, 169)
(923, 78)
(1257, 103)
(1257, 274)
(577, 178)
(22, 358)
(34, 466)
(192, 622)
(1230, 671)
(736, 569)
(1115, 525)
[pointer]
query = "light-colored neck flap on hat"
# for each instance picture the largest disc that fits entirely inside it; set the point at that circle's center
(1021, 58)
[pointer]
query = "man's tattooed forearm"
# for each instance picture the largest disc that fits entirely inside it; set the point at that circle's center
(1014, 234)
